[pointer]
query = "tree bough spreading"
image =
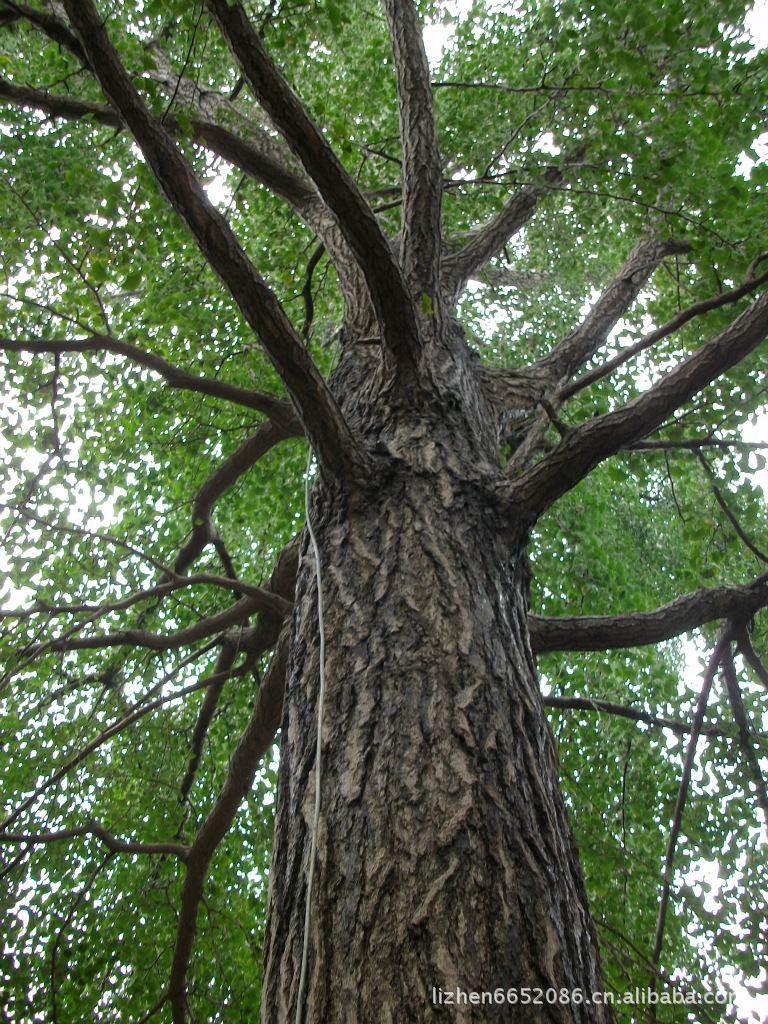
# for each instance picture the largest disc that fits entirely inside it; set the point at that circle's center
(513, 297)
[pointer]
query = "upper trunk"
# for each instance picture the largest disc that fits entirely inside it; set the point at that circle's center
(445, 858)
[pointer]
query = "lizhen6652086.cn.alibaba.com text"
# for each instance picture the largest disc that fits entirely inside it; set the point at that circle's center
(459, 997)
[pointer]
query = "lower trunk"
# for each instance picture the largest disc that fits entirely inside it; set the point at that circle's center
(446, 864)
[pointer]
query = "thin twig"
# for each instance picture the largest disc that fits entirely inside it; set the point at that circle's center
(724, 637)
(748, 653)
(72, 910)
(117, 727)
(731, 517)
(622, 711)
(745, 732)
(113, 844)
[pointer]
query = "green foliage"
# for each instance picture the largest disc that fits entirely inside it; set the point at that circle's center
(654, 105)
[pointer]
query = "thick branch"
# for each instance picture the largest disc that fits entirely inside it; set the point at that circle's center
(506, 388)
(328, 433)
(386, 285)
(264, 158)
(111, 842)
(422, 170)
(672, 325)
(570, 353)
(575, 349)
(602, 632)
(485, 241)
(251, 747)
(585, 446)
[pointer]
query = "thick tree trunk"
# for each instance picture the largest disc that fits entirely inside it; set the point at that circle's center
(445, 857)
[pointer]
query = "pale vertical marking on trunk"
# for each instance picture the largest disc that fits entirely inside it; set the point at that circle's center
(318, 745)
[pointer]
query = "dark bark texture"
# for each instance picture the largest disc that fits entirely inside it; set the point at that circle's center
(445, 858)
(445, 855)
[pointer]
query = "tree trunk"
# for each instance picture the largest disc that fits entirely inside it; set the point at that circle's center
(445, 858)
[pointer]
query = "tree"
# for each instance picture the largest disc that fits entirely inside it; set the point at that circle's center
(230, 230)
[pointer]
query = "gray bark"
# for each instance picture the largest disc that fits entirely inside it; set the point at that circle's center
(445, 855)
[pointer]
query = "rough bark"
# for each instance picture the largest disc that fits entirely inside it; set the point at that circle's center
(445, 855)
(594, 440)
(357, 222)
(422, 171)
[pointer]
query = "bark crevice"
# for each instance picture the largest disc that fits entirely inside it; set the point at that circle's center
(443, 832)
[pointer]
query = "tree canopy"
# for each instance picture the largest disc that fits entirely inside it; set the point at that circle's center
(186, 236)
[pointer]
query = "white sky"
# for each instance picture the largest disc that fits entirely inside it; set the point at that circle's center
(757, 23)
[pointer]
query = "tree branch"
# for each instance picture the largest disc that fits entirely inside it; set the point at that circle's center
(386, 285)
(749, 654)
(577, 347)
(686, 613)
(77, 531)
(282, 583)
(672, 325)
(92, 829)
(64, 925)
(136, 713)
(271, 603)
(280, 412)
(254, 156)
(422, 170)
(264, 158)
(760, 555)
(694, 445)
(485, 241)
(218, 483)
(251, 747)
(52, 26)
(236, 614)
(585, 446)
(210, 702)
(746, 743)
(337, 451)
(723, 639)
(622, 711)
